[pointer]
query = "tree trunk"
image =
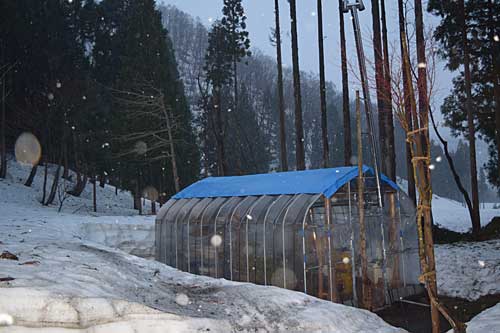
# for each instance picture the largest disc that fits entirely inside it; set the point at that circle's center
(476, 222)
(388, 116)
(365, 286)
(45, 174)
(299, 131)
(423, 151)
(3, 148)
(137, 197)
(94, 192)
(173, 155)
(65, 174)
(32, 175)
(345, 91)
(495, 60)
(380, 83)
(405, 62)
(451, 164)
(219, 133)
(281, 98)
(81, 182)
(322, 86)
(55, 184)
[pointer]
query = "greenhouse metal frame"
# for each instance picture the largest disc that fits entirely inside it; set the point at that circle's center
(272, 230)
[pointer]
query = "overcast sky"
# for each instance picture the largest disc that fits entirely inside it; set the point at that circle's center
(260, 21)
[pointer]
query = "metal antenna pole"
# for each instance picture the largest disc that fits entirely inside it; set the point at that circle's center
(353, 8)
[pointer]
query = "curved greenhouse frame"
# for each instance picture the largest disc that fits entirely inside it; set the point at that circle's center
(277, 231)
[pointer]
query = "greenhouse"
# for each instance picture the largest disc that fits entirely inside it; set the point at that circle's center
(298, 230)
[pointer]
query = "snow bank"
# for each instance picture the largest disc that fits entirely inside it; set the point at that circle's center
(468, 270)
(69, 279)
(137, 239)
(63, 281)
(486, 321)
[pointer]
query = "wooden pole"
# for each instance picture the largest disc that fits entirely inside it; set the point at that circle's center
(365, 288)
(393, 241)
(331, 251)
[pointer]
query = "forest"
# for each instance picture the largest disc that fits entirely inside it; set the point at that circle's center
(142, 95)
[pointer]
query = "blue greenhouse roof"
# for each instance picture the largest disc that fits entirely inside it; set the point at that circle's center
(318, 181)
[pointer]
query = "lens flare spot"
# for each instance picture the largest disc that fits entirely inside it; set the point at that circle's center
(216, 240)
(6, 319)
(284, 275)
(182, 299)
(150, 193)
(27, 149)
(141, 147)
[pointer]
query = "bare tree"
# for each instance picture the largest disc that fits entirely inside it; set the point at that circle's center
(476, 220)
(380, 81)
(299, 130)
(345, 90)
(281, 99)
(150, 103)
(419, 140)
(322, 86)
(365, 284)
(406, 100)
(390, 158)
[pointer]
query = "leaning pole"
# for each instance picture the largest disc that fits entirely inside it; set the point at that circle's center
(354, 8)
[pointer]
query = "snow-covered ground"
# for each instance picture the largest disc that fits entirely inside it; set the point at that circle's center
(69, 278)
(75, 273)
(468, 270)
(454, 216)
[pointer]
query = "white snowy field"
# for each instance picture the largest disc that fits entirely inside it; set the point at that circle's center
(68, 278)
(75, 273)
(468, 270)
(454, 216)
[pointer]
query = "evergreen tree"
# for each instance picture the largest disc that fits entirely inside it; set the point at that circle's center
(484, 52)
(238, 43)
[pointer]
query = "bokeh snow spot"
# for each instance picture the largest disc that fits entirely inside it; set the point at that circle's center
(216, 240)
(182, 299)
(6, 319)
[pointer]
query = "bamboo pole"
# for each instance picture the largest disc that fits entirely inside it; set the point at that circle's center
(365, 287)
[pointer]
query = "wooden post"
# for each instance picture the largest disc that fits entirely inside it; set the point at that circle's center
(365, 287)
(393, 242)
(332, 278)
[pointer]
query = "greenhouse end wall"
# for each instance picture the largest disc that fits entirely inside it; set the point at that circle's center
(287, 241)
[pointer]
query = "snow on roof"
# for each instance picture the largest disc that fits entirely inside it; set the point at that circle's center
(317, 181)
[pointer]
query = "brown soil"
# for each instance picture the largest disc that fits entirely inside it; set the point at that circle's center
(416, 318)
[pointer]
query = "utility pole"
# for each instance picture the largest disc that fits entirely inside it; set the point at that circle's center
(354, 8)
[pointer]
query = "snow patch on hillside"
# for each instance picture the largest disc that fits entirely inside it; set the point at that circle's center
(453, 215)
